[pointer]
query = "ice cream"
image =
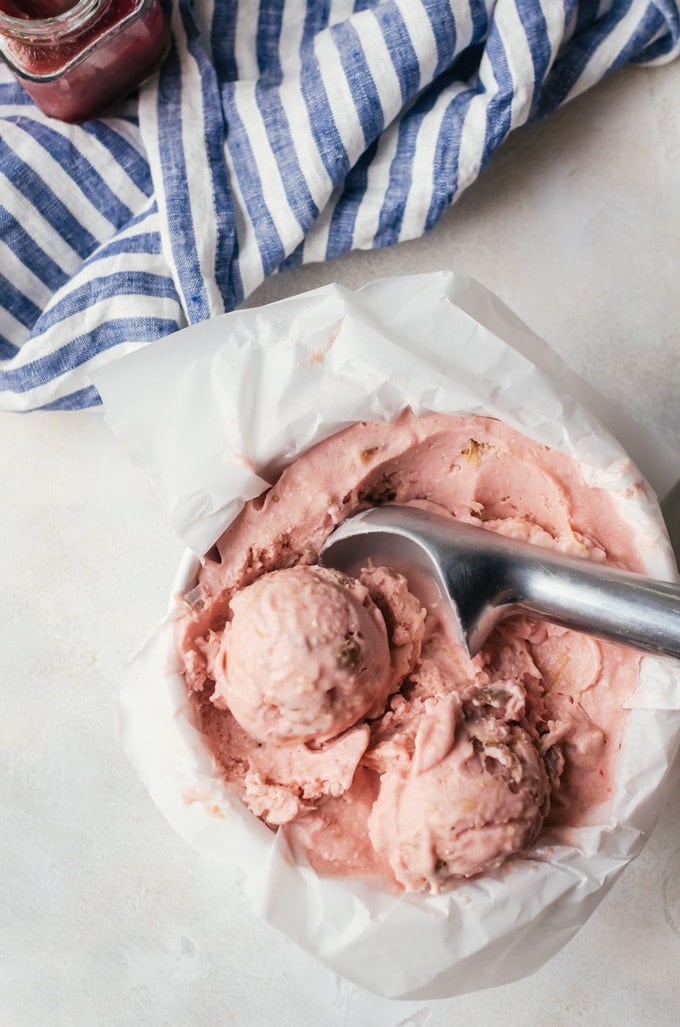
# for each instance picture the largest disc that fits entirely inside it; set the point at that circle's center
(340, 711)
(304, 657)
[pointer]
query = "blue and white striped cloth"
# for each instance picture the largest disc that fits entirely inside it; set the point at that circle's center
(278, 132)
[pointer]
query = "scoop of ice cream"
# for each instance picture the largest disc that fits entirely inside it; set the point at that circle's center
(466, 814)
(306, 655)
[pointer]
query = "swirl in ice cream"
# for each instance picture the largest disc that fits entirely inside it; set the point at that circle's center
(338, 708)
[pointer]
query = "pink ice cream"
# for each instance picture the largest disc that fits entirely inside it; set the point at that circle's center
(339, 710)
(304, 657)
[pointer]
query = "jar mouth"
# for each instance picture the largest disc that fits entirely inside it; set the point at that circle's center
(44, 28)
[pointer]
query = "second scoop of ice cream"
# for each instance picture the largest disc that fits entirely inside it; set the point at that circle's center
(305, 656)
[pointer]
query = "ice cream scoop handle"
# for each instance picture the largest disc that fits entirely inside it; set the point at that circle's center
(599, 599)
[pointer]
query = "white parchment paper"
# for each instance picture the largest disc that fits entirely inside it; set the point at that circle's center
(212, 414)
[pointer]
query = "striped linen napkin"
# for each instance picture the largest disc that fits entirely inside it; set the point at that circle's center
(277, 132)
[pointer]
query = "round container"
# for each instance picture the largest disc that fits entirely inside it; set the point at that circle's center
(76, 62)
(346, 357)
(487, 931)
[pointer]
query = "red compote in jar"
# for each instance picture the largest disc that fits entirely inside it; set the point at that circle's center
(77, 58)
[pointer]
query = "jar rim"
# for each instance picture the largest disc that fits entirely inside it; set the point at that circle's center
(41, 28)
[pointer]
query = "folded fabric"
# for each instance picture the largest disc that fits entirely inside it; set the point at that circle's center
(276, 133)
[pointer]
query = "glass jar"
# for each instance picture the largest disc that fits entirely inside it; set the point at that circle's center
(76, 62)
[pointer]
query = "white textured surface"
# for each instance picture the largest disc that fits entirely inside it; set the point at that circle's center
(107, 918)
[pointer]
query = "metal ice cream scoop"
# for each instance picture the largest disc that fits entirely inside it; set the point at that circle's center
(474, 577)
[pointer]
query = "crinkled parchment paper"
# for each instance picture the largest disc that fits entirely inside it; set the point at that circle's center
(213, 413)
